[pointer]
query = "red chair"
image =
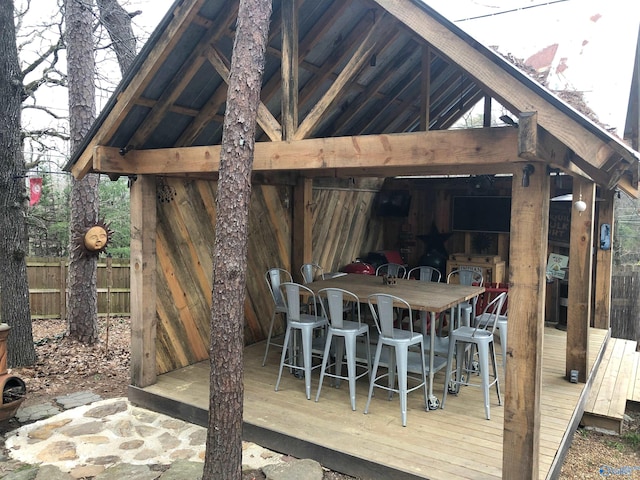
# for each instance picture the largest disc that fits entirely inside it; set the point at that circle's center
(491, 291)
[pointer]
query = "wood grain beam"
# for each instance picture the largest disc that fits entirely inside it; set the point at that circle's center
(313, 36)
(604, 263)
(302, 226)
(425, 104)
(373, 91)
(580, 275)
(350, 70)
(266, 120)
(482, 67)
(537, 144)
(143, 281)
(289, 68)
(183, 15)
(330, 65)
(208, 112)
(527, 288)
(462, 149)
(182, 77)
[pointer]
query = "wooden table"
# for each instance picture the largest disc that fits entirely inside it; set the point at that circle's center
(430, 297)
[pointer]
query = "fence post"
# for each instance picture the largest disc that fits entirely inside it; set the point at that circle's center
(63, 289)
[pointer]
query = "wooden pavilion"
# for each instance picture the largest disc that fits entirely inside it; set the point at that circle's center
(356, 92)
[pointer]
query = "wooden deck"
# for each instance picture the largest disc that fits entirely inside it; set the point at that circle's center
(452, 443)
(615, 383)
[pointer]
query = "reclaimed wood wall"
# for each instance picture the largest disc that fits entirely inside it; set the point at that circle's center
(343, 230)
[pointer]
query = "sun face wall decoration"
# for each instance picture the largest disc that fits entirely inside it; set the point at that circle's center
(94, 239)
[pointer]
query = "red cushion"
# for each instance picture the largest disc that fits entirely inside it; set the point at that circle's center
(393, 256)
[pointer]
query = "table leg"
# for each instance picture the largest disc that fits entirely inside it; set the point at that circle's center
(434, 403)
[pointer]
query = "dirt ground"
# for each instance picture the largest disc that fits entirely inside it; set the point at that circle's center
(65, 366)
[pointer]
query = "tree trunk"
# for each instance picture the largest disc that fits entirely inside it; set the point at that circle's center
(82, 308)
(118, 23)
(14, 289)
(223, 458)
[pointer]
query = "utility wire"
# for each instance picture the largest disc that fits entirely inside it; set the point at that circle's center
(510, 11)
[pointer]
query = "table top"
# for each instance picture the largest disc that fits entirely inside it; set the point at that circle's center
(428, 296)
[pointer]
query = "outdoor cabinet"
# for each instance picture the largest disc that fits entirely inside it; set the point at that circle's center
(490, 266)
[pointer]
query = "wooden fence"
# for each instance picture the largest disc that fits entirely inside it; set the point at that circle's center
(48, 287)
(48, 277)
(625, 302)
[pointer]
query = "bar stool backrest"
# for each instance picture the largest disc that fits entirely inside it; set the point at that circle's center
(382, 307)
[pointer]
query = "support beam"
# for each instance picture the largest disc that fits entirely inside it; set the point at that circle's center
(425, 87)
(486, 113)
(350, 70)
(182, 18)
(302, 226)
(580, 274)
(604, 262)
(265, 119)
(528, 135)
(143, 281)
(537, 144)
(478, 147)
(503, 83)
(289, 68)
(528, 253)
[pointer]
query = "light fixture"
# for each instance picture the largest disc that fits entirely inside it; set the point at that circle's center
(509, 121)
(527, 170)
(580, 205)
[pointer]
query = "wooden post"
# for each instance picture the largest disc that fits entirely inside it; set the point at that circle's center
(143, 281)
(580, 271)
(604, 263)
(302, 249)
(109, 285)
(425, 89)
(63, 288)
(302, 192)
(486, 115)
(289, 68)
(527, 288)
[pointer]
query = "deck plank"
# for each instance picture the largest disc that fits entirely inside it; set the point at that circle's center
(633, 394)
(428, 447)
(607, 400)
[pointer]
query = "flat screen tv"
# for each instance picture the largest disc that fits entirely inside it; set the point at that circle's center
(490, 214)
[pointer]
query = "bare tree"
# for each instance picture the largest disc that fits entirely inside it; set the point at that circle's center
(117, 21)
(14, 289)
(223, 458)
(82, 301)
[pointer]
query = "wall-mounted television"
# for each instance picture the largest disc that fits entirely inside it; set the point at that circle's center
(490, 214)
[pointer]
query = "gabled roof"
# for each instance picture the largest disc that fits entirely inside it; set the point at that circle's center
(361, 71)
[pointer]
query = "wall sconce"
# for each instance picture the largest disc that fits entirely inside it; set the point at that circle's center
(526, 172)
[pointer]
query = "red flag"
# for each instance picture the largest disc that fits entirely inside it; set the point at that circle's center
(35, 190)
